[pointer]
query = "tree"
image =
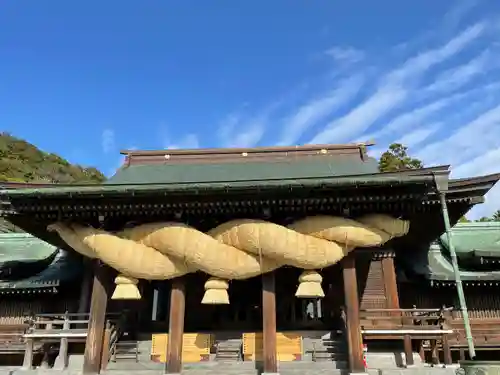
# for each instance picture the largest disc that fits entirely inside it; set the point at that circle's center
(463, 219)
(484, 219)
(496, 216)
(396, 158)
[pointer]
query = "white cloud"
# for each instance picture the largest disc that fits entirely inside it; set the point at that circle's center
(189, 141)
(237, 130)
(456, 14)
(108, 140)
(345, 55)
(471, 139)
(419, 134)
(459, 76)
(417, 65)
(360, 118)
(393, 89)
(319, 108)
(408, 120)
(483, 164)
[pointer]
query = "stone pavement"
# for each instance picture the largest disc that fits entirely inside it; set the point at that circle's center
(245, 369)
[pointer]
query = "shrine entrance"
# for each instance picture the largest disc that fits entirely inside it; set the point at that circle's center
(244, 313)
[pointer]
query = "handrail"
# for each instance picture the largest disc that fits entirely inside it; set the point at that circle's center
(408, 310)
(75, 314)
(412, 316)
(61, 321)
(115, 335)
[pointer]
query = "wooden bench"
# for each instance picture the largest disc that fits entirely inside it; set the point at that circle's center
(195, 347)
(288, 346)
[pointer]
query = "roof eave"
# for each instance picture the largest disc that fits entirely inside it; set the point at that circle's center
(379, 179)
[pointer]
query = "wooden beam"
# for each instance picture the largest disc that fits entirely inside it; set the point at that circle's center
(269, 323)
(352, 314)
(176, 326)
(97, 319)
(390, 283)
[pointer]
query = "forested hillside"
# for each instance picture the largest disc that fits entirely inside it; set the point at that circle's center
(20, 161)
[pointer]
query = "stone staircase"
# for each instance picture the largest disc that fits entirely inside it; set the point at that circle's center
(127, 359)
(330, 348)
(228, 350)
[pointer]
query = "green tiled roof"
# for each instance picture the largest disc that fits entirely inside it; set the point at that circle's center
(471, 239)
(23, 247)
(25, 254)
(313, 167)
(473, 242)
(65, 267)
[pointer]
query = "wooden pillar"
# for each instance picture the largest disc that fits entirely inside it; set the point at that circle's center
(446, 350)
(97, 319)
(83, 304)
(269, 323)
(176, 326)
(408, 350)
(354, 339)
(28, 355)
(390, 283)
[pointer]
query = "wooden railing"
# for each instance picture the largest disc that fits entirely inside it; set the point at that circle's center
(410, 325)
(12, 338)
(63, 329)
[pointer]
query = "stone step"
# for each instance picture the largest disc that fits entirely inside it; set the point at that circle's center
(228, 350)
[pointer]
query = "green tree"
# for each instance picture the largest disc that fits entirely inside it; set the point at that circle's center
(463, 219)
(396, 158)
(484, 219)
(496, 216)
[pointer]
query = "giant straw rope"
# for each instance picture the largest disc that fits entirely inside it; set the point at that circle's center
(237, 249)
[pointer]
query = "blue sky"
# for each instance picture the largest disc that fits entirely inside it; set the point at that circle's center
(86, 78)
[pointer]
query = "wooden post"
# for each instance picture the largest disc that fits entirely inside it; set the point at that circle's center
(28, 355)
(176, 326)
(408, 351)
(446, 350)
(105, 346)
(354, 338)
(445, 323)
(83, 304)
(62, 358)
(390, 283)
(97, 319)
(269, 323)
(462, 354)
